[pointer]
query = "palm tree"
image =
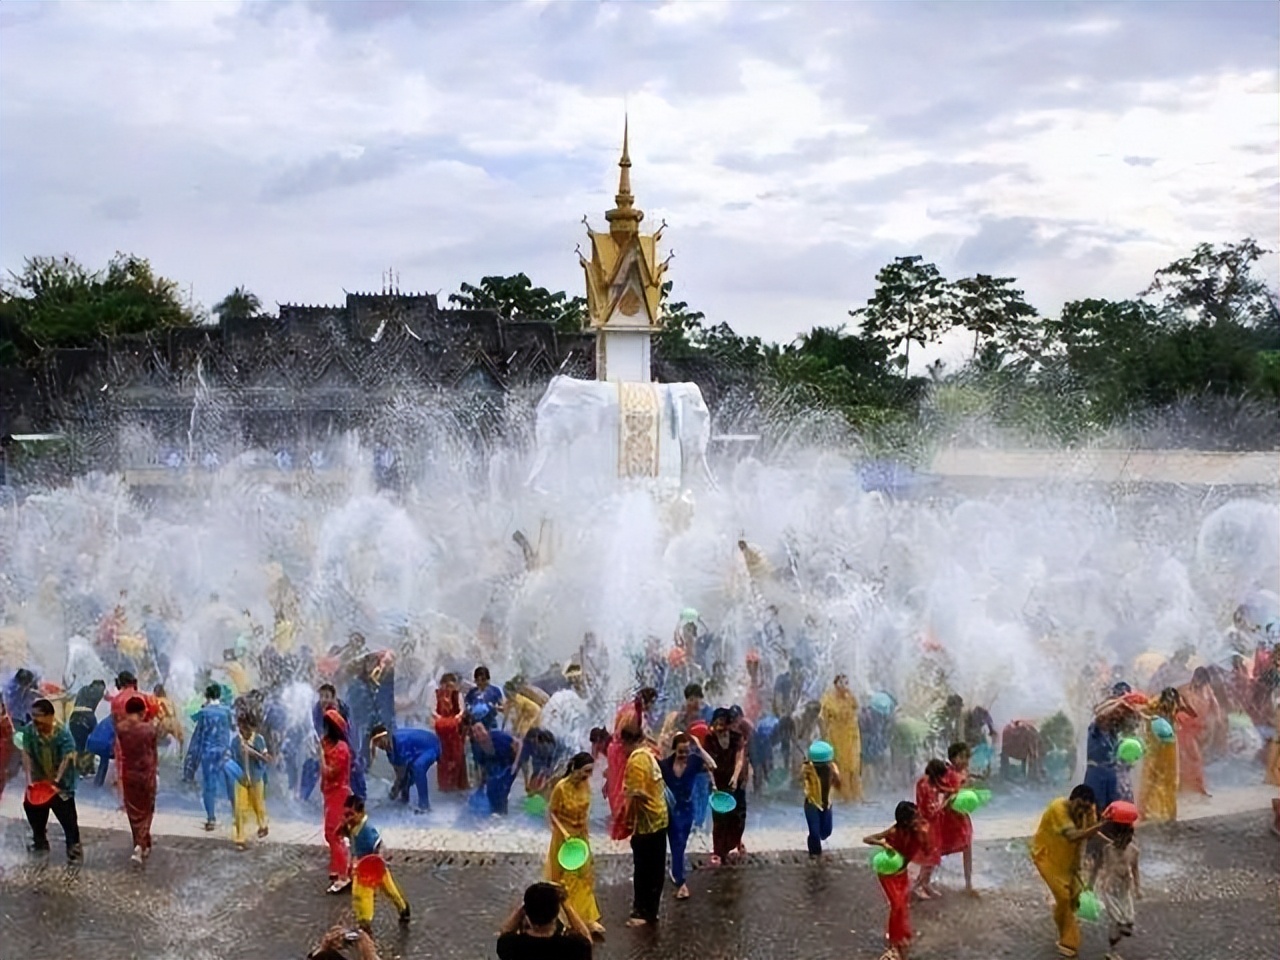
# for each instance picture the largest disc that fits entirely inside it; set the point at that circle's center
(239, 304)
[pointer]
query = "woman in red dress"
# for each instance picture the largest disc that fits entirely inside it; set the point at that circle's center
(451, 769)
(335, 787)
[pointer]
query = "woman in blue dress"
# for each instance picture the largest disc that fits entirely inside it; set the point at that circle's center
(680, 773)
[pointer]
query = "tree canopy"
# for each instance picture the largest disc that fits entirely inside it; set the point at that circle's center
(1206, 329)
(57, 302)
(239, 304)
(516, 298)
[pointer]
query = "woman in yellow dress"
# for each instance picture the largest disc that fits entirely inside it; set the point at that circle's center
(1158, 792)
(569, 808)
(839, 723)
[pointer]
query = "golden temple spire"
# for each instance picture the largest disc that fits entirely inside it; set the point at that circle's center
(625, 217)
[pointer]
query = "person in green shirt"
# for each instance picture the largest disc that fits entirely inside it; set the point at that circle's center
(49, 755)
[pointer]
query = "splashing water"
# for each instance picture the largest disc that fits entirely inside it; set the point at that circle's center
(1005, 596)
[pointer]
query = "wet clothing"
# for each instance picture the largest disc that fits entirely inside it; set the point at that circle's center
(451, 772)
(48, 753)
(492, 697)
(681, 805)
(1103, 775)
(643, 776)
(208, 748)
(915, 846)
(817, 781)
(952, 830)
(335, 787)
(1158, 790)
(101, 743)
(366, 842)
(136, 754)
(1114, 887)
(727, 828)
(413, 752)
(46, 756)
(493, 793)
(570, 804)
(1057, 859)
(84, 714)
(839, 719)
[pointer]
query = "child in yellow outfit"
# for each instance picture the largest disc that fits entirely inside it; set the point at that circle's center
(249, 750)
(366, 842)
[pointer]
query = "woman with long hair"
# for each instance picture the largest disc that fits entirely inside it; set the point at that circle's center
(569, 811)
(335, 787)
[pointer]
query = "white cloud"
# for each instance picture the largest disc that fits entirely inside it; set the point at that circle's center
(298, 149)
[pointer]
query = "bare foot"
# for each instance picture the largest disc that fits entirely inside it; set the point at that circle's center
(683, 892)
(971, 892)
(637, 922)
(597, 930)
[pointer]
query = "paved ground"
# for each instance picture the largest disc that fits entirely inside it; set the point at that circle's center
(1211, 894)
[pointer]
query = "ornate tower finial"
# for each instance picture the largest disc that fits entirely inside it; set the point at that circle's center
(625, 217)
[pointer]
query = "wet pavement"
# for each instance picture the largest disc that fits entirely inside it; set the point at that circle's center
(1210, 894)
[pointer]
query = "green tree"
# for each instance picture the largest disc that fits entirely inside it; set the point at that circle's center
(239, 304)
(57, 302)
(997, 314)
(1215, 285)
(913, 303)
(516, 298)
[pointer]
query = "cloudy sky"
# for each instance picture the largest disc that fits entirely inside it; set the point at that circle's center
(303, 149)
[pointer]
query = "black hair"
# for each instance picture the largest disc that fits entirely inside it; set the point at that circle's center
(23, 676)
(331, 729)
(693, 690)
(213, 692)
(956, 750)
(632, 734)
(541, 903)
(721, 713)
(42, 708)
(354, 803)
(449, 678)
(328, 686)
(598, 735)
(935, 769)
(481, 671)
(904, 814)
(578, 761)
(678, 739)
(1120, 834)
(376, 729)
(1084, 792)
(647, 694)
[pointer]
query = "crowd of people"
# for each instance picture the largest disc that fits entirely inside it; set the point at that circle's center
(693, 741)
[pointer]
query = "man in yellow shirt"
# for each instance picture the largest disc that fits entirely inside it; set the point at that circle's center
(647, 815)
(1055, 850)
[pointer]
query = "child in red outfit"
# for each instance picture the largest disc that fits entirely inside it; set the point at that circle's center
(932, 796)
(954, 832)
(909, 836)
